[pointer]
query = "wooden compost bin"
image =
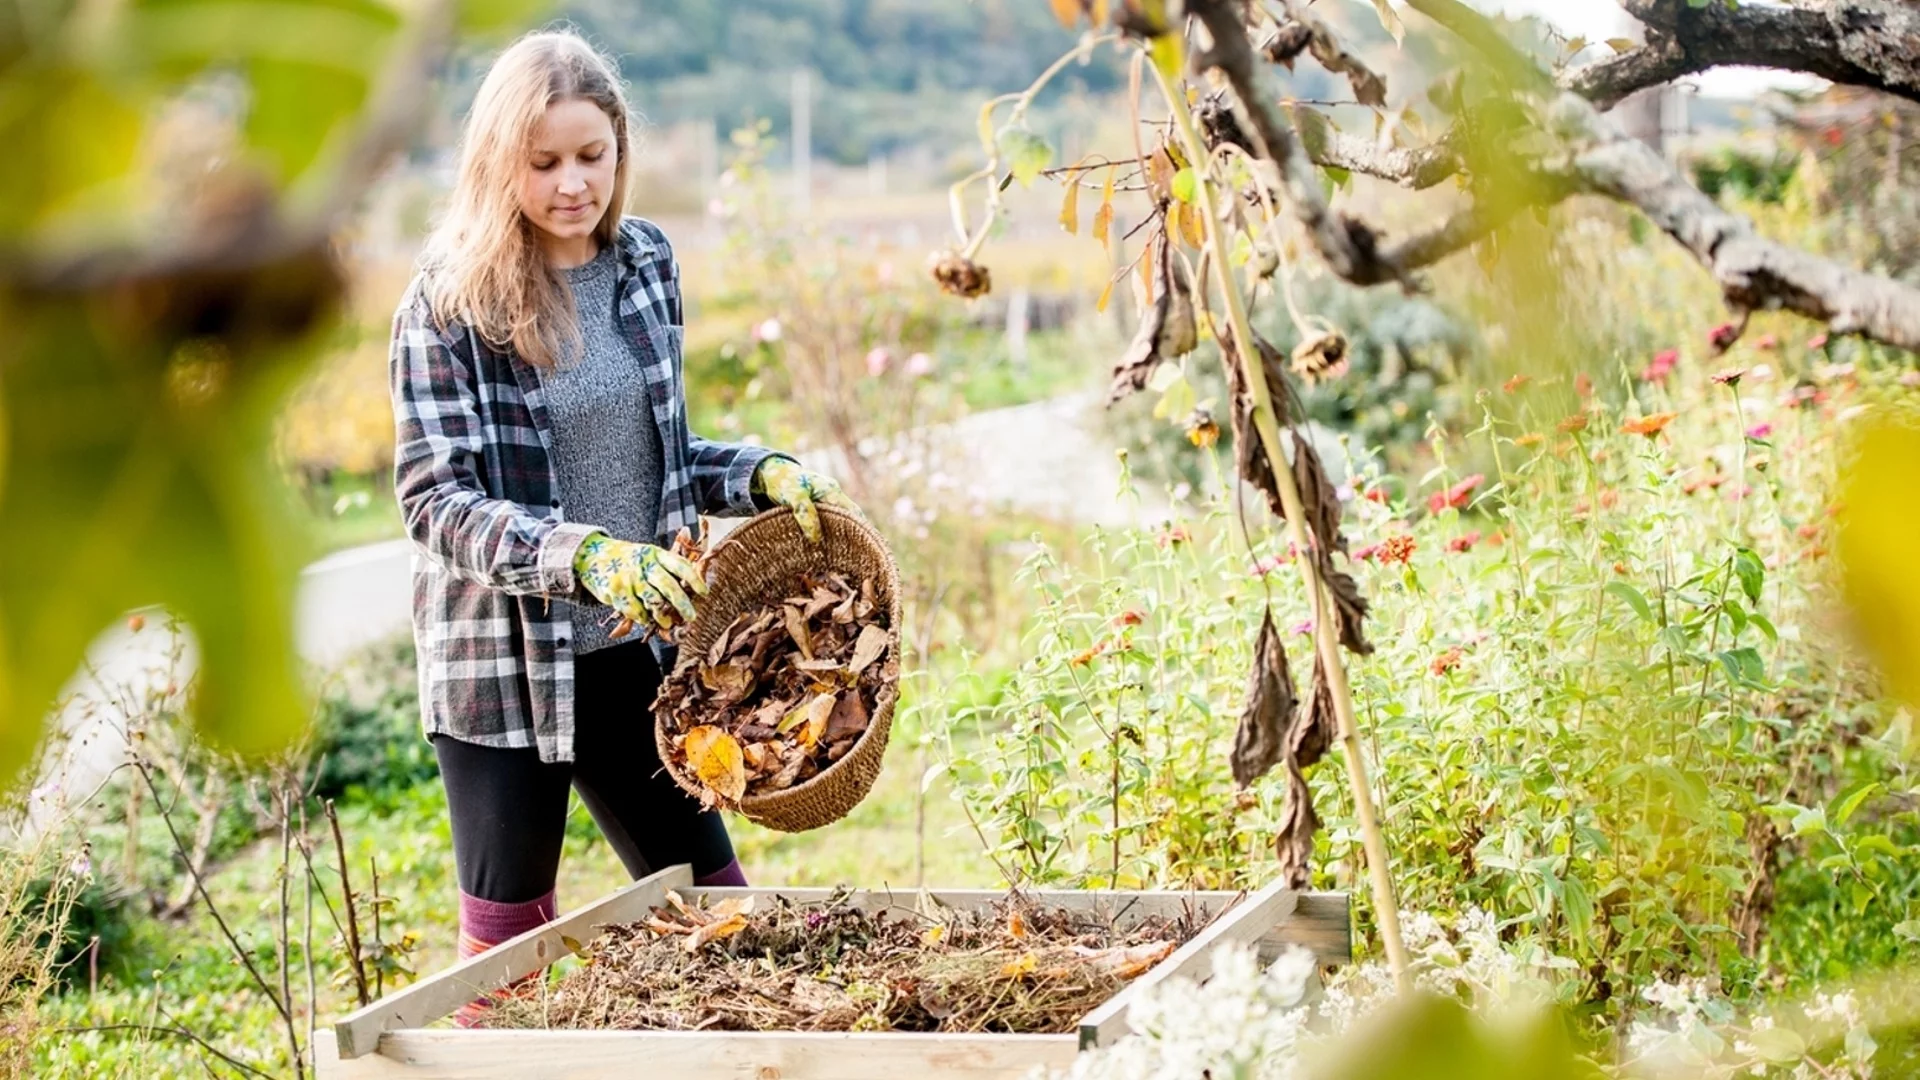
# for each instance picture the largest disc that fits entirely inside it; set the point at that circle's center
(389, 1040)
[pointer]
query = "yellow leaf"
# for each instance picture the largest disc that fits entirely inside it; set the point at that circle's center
(717, 761)
(1106, 294)
(573, 946)
(1025, 965)
(1193, 226)
(1070, 206)
(1574, 45)
(1146, 273)
(1390, 19)
(716, 931)
(987, 140)
(1067, 11)
(1099, 13)
(1880, 578)
(1103, 217)
(1620, 44)
(727, 909)
(1016, 926)
(934, 934)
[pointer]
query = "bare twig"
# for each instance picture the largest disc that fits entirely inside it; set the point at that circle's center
(353, 922)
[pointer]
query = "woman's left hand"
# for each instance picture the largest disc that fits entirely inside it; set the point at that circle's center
(784, 481)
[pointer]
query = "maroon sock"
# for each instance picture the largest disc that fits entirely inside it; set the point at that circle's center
(730, 874)
(486, 923)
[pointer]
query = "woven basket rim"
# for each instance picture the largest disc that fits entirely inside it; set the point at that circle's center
(770, 803)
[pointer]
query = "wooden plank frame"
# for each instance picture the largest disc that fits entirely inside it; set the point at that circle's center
(389, 1040)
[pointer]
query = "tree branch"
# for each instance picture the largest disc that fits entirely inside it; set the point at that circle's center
(1418, 167)
(1348, 246)
(1868, 43)
(1754, 273)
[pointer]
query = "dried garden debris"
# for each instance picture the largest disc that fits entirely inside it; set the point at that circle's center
(784, 691)
(780, 966)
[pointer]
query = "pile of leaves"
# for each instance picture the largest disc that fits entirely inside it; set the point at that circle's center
(785, 691)
(1017, 969)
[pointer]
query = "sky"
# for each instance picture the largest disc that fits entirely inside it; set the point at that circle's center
(1597, 20)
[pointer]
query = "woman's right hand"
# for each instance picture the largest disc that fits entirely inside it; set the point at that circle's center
(645, 584)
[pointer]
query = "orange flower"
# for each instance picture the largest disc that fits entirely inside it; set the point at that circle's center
(1583, 385)
(1396, 549)
(1620, 568)
(1648, 425)
(1808, 531)
(1516, 382)
(1128, 617)
(1609, 498)
(1531, 438)
(1576, 422)
(1446, 661)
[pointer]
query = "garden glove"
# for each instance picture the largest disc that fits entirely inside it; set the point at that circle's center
(785, 482)
(645, 584)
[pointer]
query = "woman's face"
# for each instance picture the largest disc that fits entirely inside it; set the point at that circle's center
(568, 175)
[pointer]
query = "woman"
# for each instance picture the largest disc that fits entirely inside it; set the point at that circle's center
(542, 460)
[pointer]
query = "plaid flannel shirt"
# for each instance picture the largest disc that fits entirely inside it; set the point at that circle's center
(493, 549)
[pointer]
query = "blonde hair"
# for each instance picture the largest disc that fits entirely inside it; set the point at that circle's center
(483, 265)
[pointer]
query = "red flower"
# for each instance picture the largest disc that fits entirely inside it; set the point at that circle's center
(1662, 366)
(1376, 494)
(1366, 552)
(1269, 564)
(1397, 549)
(1722, 337)
(1516, 382)
(1456, 496)
(1176, 535)
(1464, 542)
(1128, 617)
(1446, 661)
(1832, 135)
(1808, 531)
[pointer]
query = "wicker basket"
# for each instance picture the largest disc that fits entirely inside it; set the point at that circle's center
(759, 563)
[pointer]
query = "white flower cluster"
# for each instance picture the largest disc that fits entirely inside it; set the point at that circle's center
(1694, 1031)
(1248, 1024)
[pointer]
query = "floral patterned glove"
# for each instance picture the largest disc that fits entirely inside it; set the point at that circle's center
(647, 585)
(785, 482)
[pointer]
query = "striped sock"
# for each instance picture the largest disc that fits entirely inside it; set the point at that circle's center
(486, 923)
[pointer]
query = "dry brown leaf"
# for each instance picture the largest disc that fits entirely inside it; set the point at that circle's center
(872, 643)
(1349, 607)
(849, 720)
(727, 909)
(1261, 737)
(731, 681)
(819, 665)
(661, 926)
(819, 710)
(679, 904)
(716, 759)
(1016, 926)
(797, 629)
(717, 930)
(718, 651)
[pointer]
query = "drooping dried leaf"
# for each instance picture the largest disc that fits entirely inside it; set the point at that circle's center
(717, 761)
(1298, 823)
(1261, 738)
(1349, 607)
(1318, 495)
(1167, 328)
(1250, 456)
(718, 651)
(1314, 724)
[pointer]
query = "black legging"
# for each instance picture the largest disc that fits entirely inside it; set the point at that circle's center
(510, 810)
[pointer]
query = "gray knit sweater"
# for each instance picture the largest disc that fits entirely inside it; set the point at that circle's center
(606, 446)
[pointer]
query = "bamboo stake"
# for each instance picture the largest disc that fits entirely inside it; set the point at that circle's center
(1325, 636)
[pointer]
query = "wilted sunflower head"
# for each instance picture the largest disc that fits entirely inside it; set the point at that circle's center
(960, 275)
(1320, 355)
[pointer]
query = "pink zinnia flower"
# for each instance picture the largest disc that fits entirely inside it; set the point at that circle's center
(1456, 496)
(1463, 542)
(877, 361)
(1760, 431)
(1722, 337)
(919, 364)
(1662, 366)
